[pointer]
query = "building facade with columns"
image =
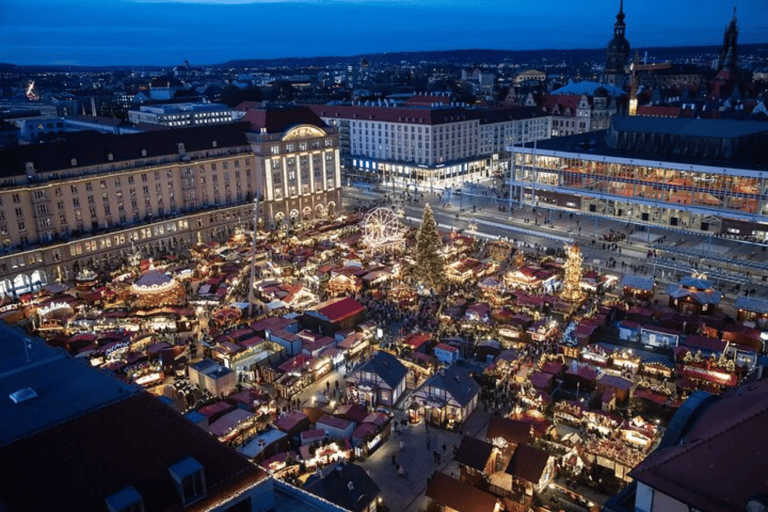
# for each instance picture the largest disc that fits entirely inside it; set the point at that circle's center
(298, 164)
(83, 202)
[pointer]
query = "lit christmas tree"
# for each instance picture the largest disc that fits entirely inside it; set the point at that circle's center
(429, 262)
(572, 279)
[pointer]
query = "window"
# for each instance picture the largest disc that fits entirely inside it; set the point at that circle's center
(16, 198)
(89, 186)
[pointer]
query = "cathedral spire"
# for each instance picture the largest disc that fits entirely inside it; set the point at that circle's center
(620, 15)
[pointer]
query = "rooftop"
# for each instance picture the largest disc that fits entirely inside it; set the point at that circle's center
(696, 469)
(65, 387)
(425, 115)
(96, 148)
(386, 366)
(589, 88)
(346, 485)
(594, 146)
(457, 382)
(457, 495)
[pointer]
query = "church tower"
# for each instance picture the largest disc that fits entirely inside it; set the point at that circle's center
(617, 52)
(729, 54)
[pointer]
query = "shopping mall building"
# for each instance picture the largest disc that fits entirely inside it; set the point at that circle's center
(706, 176)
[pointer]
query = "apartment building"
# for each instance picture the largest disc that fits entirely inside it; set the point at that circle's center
(181, 114)
(83, 202)
(436, 146)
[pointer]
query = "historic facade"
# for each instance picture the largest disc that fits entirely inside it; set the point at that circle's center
(298, 164)
(80, 203)
(617, 52)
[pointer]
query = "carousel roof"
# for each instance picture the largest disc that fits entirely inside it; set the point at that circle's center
(153, 281)
(153, 278)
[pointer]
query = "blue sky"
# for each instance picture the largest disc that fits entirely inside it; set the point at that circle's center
(95, 32)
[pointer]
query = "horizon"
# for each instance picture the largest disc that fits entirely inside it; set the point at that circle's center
(155, 33)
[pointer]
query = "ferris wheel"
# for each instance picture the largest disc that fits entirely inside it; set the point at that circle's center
(381, 228)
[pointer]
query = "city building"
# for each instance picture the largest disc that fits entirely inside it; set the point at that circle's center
(74, 204)
(181, 114)
(298, 162)
(579, 107)
(662, 172)
(69, 427)
(530, 77)
(432, 147)
(617, 53)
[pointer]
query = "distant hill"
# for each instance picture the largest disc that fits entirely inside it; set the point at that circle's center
(674, 53)
(454, 57)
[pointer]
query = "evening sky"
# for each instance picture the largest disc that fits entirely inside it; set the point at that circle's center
(98, 32)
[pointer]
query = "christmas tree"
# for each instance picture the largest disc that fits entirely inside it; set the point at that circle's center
(572, 278)
(429, 261)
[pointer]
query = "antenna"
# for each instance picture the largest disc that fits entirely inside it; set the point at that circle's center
(251, 297)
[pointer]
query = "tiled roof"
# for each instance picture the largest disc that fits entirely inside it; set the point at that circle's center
(131, 442)
(95, 148)
(721, 463)
(424, 116)
(279, 120)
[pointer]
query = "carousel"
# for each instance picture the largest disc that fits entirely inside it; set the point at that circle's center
(156, 289)
(86, 280)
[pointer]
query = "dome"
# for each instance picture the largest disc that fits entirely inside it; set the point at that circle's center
(156, 288)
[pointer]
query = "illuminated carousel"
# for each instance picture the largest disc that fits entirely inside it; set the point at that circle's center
(156, 289)
(86, 280)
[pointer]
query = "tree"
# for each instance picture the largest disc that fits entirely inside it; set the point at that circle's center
(429, 262)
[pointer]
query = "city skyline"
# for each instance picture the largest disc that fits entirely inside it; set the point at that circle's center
(165, 33)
